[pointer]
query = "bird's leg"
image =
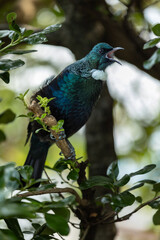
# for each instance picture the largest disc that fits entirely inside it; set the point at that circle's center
(73, 154)
(61, 136)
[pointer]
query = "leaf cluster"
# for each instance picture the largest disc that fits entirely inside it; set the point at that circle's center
(18, 35)
(155, 58)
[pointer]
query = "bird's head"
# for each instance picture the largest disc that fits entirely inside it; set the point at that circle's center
(102, 55)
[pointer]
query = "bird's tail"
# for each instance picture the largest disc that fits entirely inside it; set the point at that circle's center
(37, 156)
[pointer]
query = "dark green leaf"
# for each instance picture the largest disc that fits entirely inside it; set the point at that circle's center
(73, 175)
(60, 165)
(57, 223)
(20, 52)
(148, 181)
(16, 210)
(135, 187)
(6, 234)
(13, 225)
(144, 170)
(5, 77)
(139, 199)
(7, 64)
(156, 218)
(2, 136)
(27, 33)
(7, 116)
(113, 170)
(123, 199)
(156, 29)
(155, 58)
(64, 212)
(151, 43)
(123, 181)
(156, 187)
(96, 181)
(155, 204)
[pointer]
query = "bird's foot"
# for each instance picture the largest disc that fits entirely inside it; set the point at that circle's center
(61, 136)
(73, 154)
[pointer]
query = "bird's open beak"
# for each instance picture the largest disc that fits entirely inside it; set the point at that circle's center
(110, 54)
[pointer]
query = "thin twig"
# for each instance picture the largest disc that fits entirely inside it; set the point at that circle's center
(126, 217)
(55, 190)
(85, 233)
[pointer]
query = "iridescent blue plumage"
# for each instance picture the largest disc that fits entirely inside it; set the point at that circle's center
(75, 91)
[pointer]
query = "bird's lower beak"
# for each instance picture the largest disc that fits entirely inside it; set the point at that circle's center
(110, 54)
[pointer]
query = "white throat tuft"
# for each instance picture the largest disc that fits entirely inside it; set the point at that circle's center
(99, 74)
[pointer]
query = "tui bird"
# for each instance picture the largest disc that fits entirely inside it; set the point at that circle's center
(75, 91)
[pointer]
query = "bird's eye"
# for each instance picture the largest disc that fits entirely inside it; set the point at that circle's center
(102, 51)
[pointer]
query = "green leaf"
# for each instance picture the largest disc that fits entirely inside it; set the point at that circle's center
(7, 116)
(156, 29)
(135, 187)
(155, 58)
(155, 204)
(11, 17)
(40, 37)
(8, 64)
(4, 33)
(5, 77)
(57, 223)
(151, 43)
(156, 187)
(123, 181)
(73, 175)
(60, 165)
(13, 225)
(123, 199)
(2, 136)
(20, 52)
(113, 170)
(144, 170)
(96, 181)
(6, 234)
(51, 28)
(64, 212)
(156, 218)
(26, 172)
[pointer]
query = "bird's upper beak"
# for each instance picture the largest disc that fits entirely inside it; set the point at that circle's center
(110, 54)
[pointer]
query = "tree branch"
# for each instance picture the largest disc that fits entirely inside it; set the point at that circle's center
(81, 202)
(50, 121)
(127, 216)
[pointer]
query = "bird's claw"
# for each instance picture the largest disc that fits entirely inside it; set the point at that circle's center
(61, 136)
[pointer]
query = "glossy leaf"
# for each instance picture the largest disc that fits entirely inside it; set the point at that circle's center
(73, 175)
(4, 33)
(123, 181)
(113, 170)
(5, 77)
(155, 204)
(2, 136)
(156, 187)
(135, 187)
(123, 199)
(13, 225)
(156, 29)
(64, 212)
(26, 172)
(7, 116)
(20, 52)
(8, 64)
(156, 218)
(57, 223)
(151, 43)
(96, 181)
(155, 58)
(144, 170)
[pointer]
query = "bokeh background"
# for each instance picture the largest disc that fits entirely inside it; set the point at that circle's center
(136, 95)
